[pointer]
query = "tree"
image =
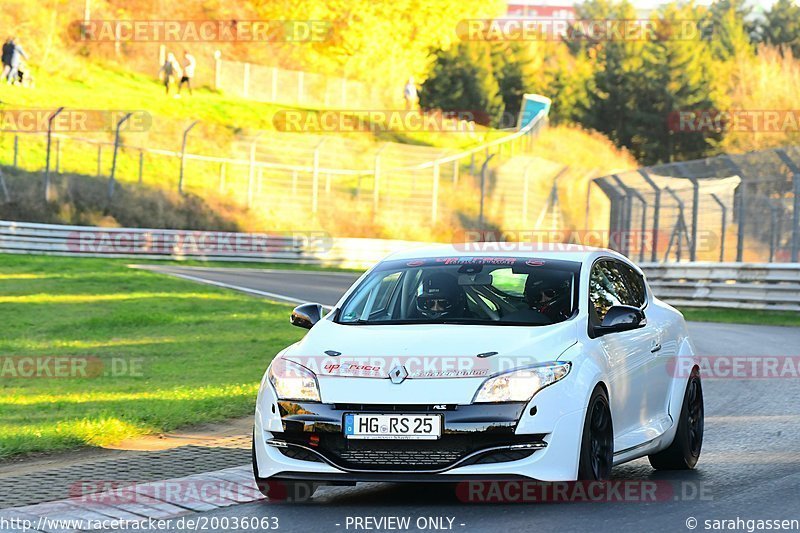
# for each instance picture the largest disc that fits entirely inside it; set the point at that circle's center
(782, 26)
(728, 27)
(676, 76)
(512, 67)
(462, 79)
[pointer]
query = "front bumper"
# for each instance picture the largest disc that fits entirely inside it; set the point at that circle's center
(305, 441)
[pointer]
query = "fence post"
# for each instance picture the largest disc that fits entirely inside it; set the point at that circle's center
(141, 166)
(222, 178)
(377, 180)
(58, 156)
(724, 226)
(483, 187)
(300, 78)
(455, 172)
(99, 160)
(47, 161)
(246, 80)
(741, 219)
(435, 199)
(217, 69)
(796, 219)
(114, 159)
(16, 150)
(183, 155)
(252, 172)
(656, 212)
(695, 208)
(315, 177)
(525, 196)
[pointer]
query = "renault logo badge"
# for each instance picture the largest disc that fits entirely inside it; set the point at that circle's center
(398, 374)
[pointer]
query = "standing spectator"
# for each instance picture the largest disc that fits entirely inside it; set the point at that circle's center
(7, 48)
(188, 71)
(17, 53)
(170, 69)
(410, 94)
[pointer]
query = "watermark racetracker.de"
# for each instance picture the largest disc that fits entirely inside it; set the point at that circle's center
(69, 367)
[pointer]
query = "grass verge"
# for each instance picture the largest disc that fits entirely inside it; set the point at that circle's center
(162, 352)
(742, 316)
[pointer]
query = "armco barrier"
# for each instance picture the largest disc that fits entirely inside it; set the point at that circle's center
(773, 286)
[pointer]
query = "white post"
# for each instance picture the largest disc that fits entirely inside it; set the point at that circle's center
(435, 199)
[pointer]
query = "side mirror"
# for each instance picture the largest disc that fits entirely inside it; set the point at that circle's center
(621, 318)
(306, 315)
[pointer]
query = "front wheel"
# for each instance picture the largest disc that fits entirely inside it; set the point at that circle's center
(684, 451)
(597, 445)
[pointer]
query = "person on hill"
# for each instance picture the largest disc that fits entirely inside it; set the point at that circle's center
(410, 94)
(170, 70)
(17, 54)
(188, 71)
(7, 46)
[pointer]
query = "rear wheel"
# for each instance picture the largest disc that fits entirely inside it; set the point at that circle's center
(597, 445)
(684, 451)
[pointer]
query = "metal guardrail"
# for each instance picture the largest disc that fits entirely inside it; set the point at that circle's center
(765, 286)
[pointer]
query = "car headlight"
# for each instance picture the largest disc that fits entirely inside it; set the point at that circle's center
(293, 381)
(520, 385)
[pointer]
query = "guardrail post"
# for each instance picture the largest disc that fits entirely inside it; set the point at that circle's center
(114, 159)
(796, 219)
(483, 187)
(315, 177)
(183, 154)
(47, 160)
(435, 194)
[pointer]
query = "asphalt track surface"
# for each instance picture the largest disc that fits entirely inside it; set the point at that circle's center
(749, 469)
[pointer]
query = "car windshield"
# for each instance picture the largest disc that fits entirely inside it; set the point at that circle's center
(473, 290)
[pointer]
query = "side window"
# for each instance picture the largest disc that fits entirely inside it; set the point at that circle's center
(385, 289)
(635, 284)
(604, 287)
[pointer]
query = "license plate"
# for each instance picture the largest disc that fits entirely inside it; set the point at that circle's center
(400, 427)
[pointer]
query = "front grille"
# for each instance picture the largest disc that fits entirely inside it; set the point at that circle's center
(500, 456)
(399, 458)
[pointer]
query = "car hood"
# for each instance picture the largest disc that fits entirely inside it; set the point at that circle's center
(430, 363)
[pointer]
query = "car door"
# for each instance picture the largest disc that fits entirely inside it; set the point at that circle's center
(627, 353)
(659, 376)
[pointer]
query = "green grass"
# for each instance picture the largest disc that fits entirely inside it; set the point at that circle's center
(200, 352)
(743, 316)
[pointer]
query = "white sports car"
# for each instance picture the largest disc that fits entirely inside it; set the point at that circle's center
(439, 365)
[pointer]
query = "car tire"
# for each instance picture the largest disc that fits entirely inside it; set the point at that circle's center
(685, 449)
(597, 443)
(281, 490)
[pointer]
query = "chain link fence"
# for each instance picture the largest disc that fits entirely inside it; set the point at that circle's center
(294, 87)
(280, 175)
(727, 208)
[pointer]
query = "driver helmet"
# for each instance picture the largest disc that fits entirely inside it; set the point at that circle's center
(440, 296)
(544, 287)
